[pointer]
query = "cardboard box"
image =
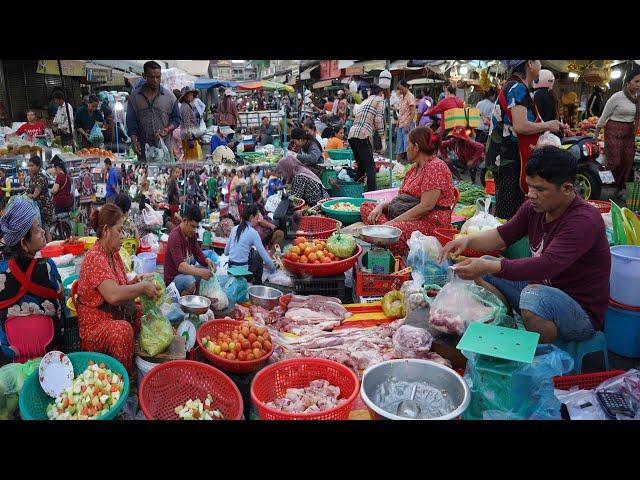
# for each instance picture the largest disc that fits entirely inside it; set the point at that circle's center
(461, 117)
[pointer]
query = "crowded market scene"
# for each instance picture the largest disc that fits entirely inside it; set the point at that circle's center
(320, 240)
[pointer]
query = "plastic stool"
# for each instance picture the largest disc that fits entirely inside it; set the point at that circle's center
(597, 343)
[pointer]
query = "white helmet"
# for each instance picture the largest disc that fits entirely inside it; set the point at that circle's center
(545, 79)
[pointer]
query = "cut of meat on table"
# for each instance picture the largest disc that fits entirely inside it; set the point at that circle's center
(319, 396)
(306, 315)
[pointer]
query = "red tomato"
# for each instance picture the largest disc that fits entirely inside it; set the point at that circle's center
(246, 344)
(252, 337)
(242, 355)
(224, 347)
(245, 331)
(266, 336)
(304, 259)
(231, 356)
(267, 345)
(261, 330)
(257, 352)
(255, 345)
(250, 356)
(223, 355)
(260, 339)
(294, 257)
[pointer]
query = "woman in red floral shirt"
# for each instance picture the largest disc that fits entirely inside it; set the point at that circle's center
(107, 315)
(426, 197)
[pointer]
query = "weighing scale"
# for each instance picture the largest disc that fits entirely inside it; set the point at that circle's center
(501, 352)
(193, 306)
(379, 259)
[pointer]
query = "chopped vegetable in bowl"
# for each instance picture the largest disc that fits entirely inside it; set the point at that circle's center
(197, 410)
(345, 207)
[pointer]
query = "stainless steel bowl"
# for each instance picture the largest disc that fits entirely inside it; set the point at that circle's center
(380, 235)
(195, 304)
(265, 297)
(415, 370)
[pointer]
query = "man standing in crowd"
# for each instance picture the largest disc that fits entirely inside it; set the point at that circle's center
(406, 118)
(152, 113)
(86, 117)
(370, 118)
(340, 107)
(228, 111)
(111, 173)
(61, 122)
(267, 131)
(486, 110)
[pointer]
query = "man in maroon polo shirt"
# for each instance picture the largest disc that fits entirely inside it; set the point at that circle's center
(562, 291)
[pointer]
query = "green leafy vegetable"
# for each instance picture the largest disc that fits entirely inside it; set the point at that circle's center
(341, 245)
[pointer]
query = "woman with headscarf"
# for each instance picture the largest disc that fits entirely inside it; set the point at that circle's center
(29, 287)
(304, 183)
(515, 132)
(87, 191)
(38, 191)
(620, 120)
(308, 147)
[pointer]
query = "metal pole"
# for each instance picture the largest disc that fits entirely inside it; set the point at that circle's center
(66, 105)
(390, 143)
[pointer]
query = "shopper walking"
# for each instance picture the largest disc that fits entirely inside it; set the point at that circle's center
(406, 118)
(620, 120)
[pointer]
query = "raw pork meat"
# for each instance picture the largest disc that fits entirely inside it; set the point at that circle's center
(319, 396)
(411, 342)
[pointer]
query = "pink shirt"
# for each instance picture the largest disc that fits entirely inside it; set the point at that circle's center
(406, 110)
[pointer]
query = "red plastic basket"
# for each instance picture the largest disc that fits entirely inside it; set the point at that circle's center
(52, 251)
(585, 381)
(273, 381)
(213, 327)
(317, 227)
(76, 249)
(604, 207)
(378, 284)
(322, 269)
(171, 384)
(300, 203)
(445, 235)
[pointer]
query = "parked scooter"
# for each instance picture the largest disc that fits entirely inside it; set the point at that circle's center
(592, 174)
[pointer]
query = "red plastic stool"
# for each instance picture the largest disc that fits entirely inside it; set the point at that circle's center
(29, 335)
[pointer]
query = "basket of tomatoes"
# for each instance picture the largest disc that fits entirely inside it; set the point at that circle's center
(95, 152)
(235, 346)
(311, 257)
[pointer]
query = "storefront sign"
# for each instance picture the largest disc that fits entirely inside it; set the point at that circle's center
(358, 70)
(329, 69)
(322, 84)
(70, 68)
(99, 75)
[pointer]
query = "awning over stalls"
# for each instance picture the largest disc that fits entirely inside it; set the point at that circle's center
(322, 84)
(206, 83)
(265, 85)
(70, 68)
(370, 65)
(306, 74)
(423, 81)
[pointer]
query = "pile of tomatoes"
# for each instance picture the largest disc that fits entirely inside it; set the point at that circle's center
(309, 251)
(244, 343)
(95, 152)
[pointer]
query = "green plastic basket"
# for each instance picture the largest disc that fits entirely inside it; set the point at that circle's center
(341, 154)
(34, 402)
(348, 189)
(347, 218)
(71, 334)
(326, 176)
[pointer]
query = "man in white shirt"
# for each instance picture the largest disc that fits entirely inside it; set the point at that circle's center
(486, 110)
(62, 123)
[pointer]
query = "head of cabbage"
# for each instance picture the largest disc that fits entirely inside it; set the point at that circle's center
(341, 245)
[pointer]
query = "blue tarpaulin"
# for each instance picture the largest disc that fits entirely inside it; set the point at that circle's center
(206, 83)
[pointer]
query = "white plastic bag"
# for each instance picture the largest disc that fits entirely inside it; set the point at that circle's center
(151, 217)
(482, 220)
(157, 154)
(150, 240)
(212, 290)
(548, 139)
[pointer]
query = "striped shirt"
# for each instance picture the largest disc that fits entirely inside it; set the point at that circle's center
(370, 117)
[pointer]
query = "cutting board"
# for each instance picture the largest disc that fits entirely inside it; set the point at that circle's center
(500, 342)
(176, 351)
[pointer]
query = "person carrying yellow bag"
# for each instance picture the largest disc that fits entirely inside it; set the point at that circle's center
(189, 125)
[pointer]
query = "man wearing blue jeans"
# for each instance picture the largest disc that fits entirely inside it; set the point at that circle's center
(563, 290)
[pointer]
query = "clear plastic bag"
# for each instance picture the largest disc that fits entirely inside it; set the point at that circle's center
(235, 288)
(413, 295)
(156, 333)
(528, 395)
(548, 139)
(152, 217)
(482, 220)
(461, 302)
(212, 290)
(411, 342)
(95, 137)
(582, 404)
(423, 259)
(157, 154)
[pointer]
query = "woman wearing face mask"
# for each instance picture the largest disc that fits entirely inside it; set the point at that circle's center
(620, 120)
(241, 242)
(426, 197)
(38, 191)
(29, 287)
(107, 315)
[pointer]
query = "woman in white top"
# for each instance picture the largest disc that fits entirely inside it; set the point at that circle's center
(621, 119)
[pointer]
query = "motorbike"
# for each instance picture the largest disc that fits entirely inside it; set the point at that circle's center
(592, 174)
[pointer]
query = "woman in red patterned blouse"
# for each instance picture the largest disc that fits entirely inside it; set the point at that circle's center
(428, 186)
(107, 315)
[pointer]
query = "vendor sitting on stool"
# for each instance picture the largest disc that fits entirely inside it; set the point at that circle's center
(239, 247)
(563, 291)
(29, 286)
(183, 252)
(107, 314)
